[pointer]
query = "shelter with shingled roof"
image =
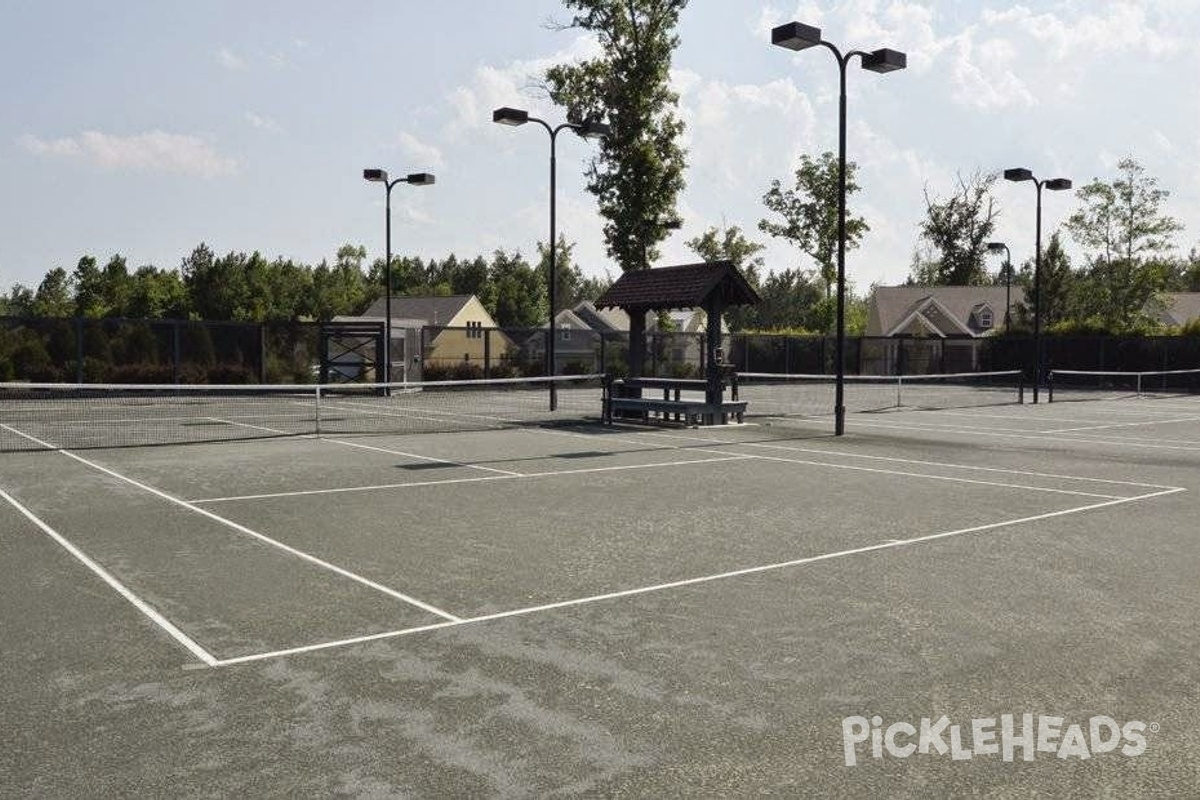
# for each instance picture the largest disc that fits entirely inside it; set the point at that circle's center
(712, 285)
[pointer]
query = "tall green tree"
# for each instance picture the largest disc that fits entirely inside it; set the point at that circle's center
(1064, 296)
(638, 172)
(958, 229)
(730, 244)
(808, 213)
(1127, 237)
(520, 292)
(53, 297)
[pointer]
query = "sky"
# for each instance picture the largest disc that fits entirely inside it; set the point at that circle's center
(145, 127)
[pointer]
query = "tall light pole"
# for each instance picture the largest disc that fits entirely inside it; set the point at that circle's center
(381, 176)
(996, 247)
(589, 130)
(1057, 185)
(795, 36)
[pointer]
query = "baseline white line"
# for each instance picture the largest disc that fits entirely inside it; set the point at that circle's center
(888, 545)
(345, 573)
(480, 479)
(120, 588)
(1124, 425)
(919, 462)
(948, 478)
(1034, 436)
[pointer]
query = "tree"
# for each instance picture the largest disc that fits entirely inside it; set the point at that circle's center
(958, 230)
(788, 300)
(520, 292)
(730, 244)
(810, 213)
(1061, 289)
(1128, 236)
(156, 294)
(638, 172)
(53, 296)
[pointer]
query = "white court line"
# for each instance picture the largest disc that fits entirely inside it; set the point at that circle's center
(467, 465)
(919, 462)
(142, 606)
(1035, 436)
(479, 479)
(888, 545)
(375, 447)
(1124, 425)
(345, 573)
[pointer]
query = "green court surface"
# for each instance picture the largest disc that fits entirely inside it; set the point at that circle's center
(606, 610)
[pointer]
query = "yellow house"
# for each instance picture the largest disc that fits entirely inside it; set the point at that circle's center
(452, 329)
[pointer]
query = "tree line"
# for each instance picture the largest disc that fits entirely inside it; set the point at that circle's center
(636, 177)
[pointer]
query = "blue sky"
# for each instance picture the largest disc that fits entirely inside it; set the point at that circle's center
(145, 127)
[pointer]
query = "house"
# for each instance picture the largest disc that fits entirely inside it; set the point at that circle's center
(1174, 309)
(441, 331)
(577, 346)
(938, 311)
(932, 328)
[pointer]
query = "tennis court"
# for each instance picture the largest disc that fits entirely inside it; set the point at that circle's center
(473, 597)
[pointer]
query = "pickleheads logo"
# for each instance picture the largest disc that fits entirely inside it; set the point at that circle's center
(988, 736)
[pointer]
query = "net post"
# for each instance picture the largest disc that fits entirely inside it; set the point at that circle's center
(1139, 385)
(317, 411)
(1049, 387)
(899, 391)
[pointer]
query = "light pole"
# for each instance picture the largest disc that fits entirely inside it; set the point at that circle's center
(795, 36)
(381, 176)
(996, 247)
(589, 130)
(1056, 185)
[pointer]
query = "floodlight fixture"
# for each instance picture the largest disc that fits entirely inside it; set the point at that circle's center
(1058, 184)
(884, 60)
(375, 175)
(795, 36)
(510, 116)
(1018, 174)
(590, 129)
(420, 179)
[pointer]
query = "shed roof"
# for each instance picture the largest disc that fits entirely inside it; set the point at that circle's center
(683, 286)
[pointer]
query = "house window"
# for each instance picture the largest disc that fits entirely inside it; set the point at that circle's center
(566, 334)
(474, 330)
(985, 318)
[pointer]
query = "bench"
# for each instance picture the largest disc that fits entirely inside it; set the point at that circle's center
(672, 405)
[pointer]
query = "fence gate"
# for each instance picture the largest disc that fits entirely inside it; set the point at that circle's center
(352, 352)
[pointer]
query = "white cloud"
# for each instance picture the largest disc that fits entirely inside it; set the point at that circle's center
(512, 84)
(227, 59)
(154, 151)
(1118, 27)
(419, 153)
(263, 123)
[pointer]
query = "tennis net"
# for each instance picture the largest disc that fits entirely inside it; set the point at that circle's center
(1078, 384)
(781, 395)
(75, 416)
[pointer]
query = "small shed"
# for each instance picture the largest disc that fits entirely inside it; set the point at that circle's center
(711, 285)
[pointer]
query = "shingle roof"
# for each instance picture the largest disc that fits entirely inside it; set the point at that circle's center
(684, 286)
(1175, 308)
(892, 304)
(432, 310)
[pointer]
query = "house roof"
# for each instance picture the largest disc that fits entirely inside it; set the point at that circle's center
(431, 310)
(893, 305)
(683, 286)
(1175, 308)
